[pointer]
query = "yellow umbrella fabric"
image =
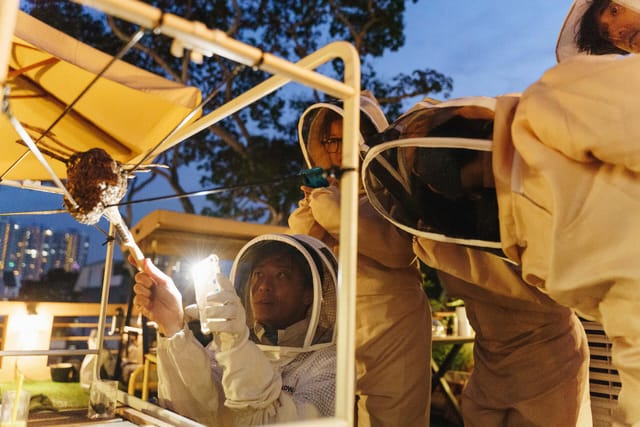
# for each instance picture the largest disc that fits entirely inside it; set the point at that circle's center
(126, 112)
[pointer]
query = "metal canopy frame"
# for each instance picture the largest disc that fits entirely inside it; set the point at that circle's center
(196, 37)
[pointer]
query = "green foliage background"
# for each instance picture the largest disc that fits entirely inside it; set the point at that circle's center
(251, 153)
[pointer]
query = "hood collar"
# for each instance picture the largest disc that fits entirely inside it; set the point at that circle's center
(319, 326)
(407, 176)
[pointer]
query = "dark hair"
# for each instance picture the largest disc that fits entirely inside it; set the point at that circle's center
(269, 248)
(588, 37)
(328, 116)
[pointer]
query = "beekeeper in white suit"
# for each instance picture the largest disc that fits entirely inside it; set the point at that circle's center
(272, 358)
(602, 27)
(568, 172)
(393, 317)
(530, 353)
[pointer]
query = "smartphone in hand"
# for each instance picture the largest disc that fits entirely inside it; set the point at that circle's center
(314, 178)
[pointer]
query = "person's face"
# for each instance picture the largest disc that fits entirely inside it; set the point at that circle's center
(279, 297)
(621, 26)
(332, 143)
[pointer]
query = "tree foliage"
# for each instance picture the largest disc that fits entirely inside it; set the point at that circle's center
(253, 151)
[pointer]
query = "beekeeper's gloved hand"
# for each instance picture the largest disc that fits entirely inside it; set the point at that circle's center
(191, 313)
(225, 316)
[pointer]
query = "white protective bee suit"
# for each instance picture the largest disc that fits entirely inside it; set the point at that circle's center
(610, 299)
(530, 353)
(393, 317)
(567, 180)
(255, 382)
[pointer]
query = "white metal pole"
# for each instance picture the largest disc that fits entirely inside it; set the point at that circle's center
(104, 300)
(346, 374)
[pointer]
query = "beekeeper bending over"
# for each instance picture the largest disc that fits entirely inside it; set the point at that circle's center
(530, 353)
(273, 356)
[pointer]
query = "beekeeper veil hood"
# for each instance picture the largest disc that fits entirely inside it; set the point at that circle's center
(432, 173)
(314, 126)
(318, 266)
(567, 45)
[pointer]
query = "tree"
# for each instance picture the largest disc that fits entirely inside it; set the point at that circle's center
(244, 152)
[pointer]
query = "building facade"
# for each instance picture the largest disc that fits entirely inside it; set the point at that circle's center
(28, 252)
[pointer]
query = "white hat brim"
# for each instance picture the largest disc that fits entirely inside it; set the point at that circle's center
(566, 45)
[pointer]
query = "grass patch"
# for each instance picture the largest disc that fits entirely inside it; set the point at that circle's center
(61, 395)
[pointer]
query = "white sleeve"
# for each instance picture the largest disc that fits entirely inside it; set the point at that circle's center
(187, 382)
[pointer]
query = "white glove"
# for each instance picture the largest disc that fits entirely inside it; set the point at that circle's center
(225, 316)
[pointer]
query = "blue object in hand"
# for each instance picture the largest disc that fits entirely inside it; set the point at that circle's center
(314, 177)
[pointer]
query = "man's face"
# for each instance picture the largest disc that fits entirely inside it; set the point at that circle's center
(279, 297)
(621, 26)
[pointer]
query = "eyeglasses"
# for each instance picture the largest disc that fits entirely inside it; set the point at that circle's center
(332, 144)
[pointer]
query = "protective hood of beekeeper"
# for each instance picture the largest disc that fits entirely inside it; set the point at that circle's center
(431, 176)
(269, 316)
(321, 144)
(570, 38)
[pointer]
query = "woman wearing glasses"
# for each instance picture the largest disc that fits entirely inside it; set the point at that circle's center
(393, 317)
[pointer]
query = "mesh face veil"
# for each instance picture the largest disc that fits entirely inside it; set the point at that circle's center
(432, 175)
(319, 266)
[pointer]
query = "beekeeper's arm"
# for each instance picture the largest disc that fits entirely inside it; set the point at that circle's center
(186, 382)
(587, 108)
(377, 238)
(301, 220)
(252, 384)
(185, 379)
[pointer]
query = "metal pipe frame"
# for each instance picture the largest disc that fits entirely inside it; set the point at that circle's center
(196, 37)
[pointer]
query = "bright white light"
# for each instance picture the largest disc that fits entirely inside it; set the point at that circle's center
(206, 269)
(30, 331)
(204, 275)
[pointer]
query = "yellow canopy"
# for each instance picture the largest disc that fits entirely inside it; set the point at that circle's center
(126, 112)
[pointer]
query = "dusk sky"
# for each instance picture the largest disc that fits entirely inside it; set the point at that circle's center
(487, 48)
